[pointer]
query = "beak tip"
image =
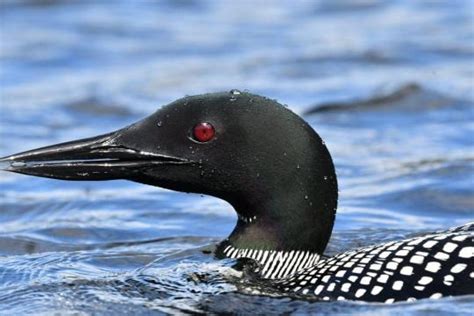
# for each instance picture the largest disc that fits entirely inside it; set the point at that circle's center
(9, 164)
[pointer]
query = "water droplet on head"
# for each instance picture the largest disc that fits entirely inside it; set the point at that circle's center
(235, 92)
(305, 197)
(298, 167)
(325, 177)
(160, 123)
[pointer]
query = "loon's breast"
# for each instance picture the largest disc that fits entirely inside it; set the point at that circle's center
(434, 265)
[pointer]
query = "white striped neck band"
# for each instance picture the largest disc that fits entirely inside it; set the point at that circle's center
(275, 264)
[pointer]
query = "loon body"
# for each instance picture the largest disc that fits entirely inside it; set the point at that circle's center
(277, 173)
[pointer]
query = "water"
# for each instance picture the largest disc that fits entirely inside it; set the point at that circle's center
(388, 85)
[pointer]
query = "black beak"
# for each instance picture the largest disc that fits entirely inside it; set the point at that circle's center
(97, 158)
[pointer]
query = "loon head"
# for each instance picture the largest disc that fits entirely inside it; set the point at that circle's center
(250, 151)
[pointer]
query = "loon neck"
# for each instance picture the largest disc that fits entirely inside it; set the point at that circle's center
(303, 228)
(296, 216)
(283, 234)
(273, 264)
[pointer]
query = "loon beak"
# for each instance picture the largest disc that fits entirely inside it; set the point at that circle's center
(103, 157)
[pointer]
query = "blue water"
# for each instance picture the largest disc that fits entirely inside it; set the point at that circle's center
(387, 84)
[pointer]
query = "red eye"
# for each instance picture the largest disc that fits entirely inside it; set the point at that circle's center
(203, 132)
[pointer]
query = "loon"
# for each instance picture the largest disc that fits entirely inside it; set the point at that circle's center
(278, 175)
